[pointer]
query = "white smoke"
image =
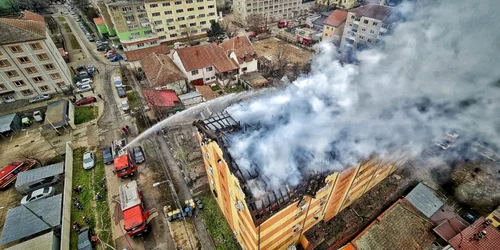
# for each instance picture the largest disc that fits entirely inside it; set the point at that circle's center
(438, 71)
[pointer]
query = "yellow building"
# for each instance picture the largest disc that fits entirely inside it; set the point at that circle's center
(333, 26)
(495, 217)
(341, 4)
(278, 219)
(180, 20)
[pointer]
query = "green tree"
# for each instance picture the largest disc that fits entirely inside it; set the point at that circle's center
(215, 30)
(37, 6)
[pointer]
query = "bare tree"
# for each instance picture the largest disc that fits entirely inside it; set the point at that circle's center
(280, 60)
(256, 23)
(33, 153)
(230, 29)
(33, 5)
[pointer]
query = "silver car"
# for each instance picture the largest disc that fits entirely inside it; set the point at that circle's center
(88, 160)
(40, 98)
(38, 194)
(83, 88)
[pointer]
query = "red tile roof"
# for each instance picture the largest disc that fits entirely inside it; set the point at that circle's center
(206, 92)
(136, 55)
(99, 20)
(336, 18)
(386, 14)
(202, 56)
(450, 227)
(467, 240)
(242, 47)
(28, 15)
(161, 98)
(18, 30)
(161, 70)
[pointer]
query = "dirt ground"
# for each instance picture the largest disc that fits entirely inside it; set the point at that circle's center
(268, 48)
(180, 234)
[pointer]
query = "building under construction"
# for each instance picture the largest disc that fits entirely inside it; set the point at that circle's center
(278, 219)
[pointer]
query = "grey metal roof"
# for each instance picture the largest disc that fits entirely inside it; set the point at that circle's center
(129, 197)
(5, 122)
(42, 242)
(21, 223)
(425, 199)
(39, 173)
(57, 114)
(189, 95)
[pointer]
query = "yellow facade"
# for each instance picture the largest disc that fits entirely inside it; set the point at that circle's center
(287, 226)
(342, 4)
(332, 32)
(176, 20)
(495, 217)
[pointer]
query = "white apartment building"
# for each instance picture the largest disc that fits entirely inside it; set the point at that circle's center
(272, 10)
(366, 24)
(30, 63)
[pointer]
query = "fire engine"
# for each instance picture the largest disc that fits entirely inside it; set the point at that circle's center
(123, 164)
(136, 218)
(9, 173)
(285, 24)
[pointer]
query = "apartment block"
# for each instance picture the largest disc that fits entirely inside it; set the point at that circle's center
(182, 19)
(278, 219)
(270, 10)
(341, 4)
(366, 24)
(30, 63)
(333, 26)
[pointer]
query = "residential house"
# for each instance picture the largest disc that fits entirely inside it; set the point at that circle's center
(340, 4)
(163, 102)
(204, 64)
(30, 63)
(163, 74)
(366, 24)
(269, 10)
(334, 26)
(241, 50)
(316, 21)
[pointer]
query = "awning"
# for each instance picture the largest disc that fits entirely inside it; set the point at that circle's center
(5, 122)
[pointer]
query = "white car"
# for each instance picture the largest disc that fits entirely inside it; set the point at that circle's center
(86, 81)
(125, 106)
(88, 160)
(38, 194)
(117, 81)
(83, 88)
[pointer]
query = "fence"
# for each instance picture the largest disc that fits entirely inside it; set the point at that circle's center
(68, 184)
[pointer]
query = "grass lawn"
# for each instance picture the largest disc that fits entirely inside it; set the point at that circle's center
(97, 211)
(234, 89)
(74, 43)
(66, 27)
(85, 114)
(132, 100)
(215, 88)
(217, 225)
(61, 18)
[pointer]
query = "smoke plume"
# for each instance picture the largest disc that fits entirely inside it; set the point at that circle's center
(438, 71)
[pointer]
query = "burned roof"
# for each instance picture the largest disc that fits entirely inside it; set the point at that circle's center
(383, 13)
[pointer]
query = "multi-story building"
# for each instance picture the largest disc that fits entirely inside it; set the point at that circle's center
(277, 219)
(270, 10)
(333, 26)
(341, 4)
(366, 24)
(30, 63)
(100, 5)
(241, 50)
(181, 19)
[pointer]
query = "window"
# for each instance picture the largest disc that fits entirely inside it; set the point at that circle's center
(203, 22)
(139, 45)
(192, 24)
(129, 18)
(194, 72)
(11, 73)
(369, 40)
(35, 46)
(16, 49)
(141, 8)
(178, 2)
(211, 6)
(42, 57)
(184, 33)
(171, 28)
(160, 30)
(375, 23)
(61, 84)
(209, 68)
(148, 32)
(4, 63)
(182, 26)
(162, 37)
(170, 20)
(27, 92)
(165, 4)
(154, 5)
(201, 8)
(3, 87)
(363, 29)
(179, 11)
(194, 31)
(37, 79)
(127, 9)
(158, 22)
(24, 59)
(190, 9)
(55, 76)
(189, 1)
(199, 1)
(181, 19)
(206, 80)
(204, 29)
(173, 35)
(211, 14)
(49, 66)
(244, 69)
(135, 34)
(19, 83)
(153, 42)
(168, 12)
(44, 88)
(201, 15)
(366, 21)
(156, 14)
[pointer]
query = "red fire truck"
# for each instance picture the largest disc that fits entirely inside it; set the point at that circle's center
(135, 216)
(285, 24)
(9, 173)
(124, 166)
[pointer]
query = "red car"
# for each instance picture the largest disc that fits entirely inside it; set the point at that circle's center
(85, 100)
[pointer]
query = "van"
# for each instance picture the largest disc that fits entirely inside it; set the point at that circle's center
(179, 45)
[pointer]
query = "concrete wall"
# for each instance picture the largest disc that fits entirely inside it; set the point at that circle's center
(67, 199)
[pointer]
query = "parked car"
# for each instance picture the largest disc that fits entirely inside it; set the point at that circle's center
(125, 106)
(117, 81)
(121, 92)
(194, 43)
(81, 68)
(116, 58)
(90, 69)
(85, 239)
(109, 53)
(139, 155)
(119, 46)
(91, 38)
(101, 42)
(84, 74)
(40, 98)
(103, 47)
(88, 160)
(86, 100)
(85, 81)
(38, 194)
(107, 155)
(83, 88)
(179, 45)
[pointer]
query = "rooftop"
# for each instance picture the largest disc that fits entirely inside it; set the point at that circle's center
(29, 27)
(43, 242)
(161, 98)
(56, 115)
(336, 18)
(99, 20)
(383, 13)
(206, 92)
(399, 227)
(254, 79)
(39, 173)
(202, 56)
(128, 195)
(136, 55)
(242, 47)
(472, 239)
(161, 70)
(425, 199)
(6, 121)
